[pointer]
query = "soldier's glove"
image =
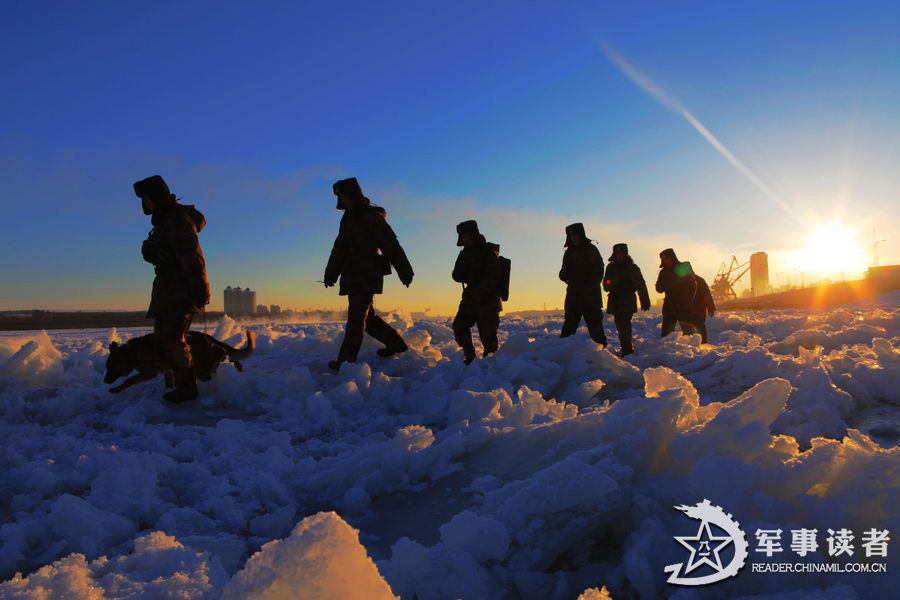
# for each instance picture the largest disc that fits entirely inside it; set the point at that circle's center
(645, 306)
(406, 279)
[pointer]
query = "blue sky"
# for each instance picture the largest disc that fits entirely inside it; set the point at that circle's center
(507, 112)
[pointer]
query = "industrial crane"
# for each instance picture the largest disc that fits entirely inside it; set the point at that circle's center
(722, 288)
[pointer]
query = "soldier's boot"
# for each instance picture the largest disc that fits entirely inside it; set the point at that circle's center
(490, 345)
(462, 333)
(627, 347)
(468, 353)
(349, 352)
(185, 387)
(571, 320)
(387, 335)
(394, 348)
(704, 334)
(667, 326)
(185, 378)
(343, 356)
(623, 328)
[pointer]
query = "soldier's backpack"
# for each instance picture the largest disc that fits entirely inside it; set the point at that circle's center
(505, 267)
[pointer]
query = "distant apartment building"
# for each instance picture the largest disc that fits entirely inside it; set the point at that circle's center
(274, 309)
(759, 274)
(239, 302)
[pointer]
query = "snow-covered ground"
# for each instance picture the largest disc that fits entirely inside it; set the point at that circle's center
(548, 469)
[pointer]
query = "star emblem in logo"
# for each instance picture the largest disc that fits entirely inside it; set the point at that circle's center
(704, 545)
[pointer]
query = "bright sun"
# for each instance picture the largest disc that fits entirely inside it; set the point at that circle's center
(831, 249)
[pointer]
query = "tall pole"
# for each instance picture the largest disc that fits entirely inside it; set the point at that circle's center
(875, 242)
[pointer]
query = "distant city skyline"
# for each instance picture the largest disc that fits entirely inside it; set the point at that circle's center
(717, 129)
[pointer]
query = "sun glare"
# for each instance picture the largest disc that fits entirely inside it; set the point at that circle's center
(831, 249)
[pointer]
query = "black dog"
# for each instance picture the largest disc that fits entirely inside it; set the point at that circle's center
(140, 353)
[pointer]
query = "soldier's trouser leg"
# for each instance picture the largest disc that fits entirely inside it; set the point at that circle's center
(381, 331)
(465, 318)
(488, 321)
(623, 328)
(593, 318)
(358, 307)
(688, 327)
(168, 335)
(169, 332)
(704, 335)
(668, 326)
(573, 315)
(570, 323)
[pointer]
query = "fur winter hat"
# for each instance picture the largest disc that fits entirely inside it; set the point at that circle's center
(670, 253)
(576, 229)
(469, 228)
(347, 187)
(153, 187)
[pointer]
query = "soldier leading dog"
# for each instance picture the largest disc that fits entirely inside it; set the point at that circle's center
(180, 287)
(141, 354)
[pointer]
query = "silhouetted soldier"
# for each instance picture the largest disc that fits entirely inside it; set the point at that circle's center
(623, 280)
(478, 269)
(582, 271)
(362, 255)
(703, 304)
(676, 280)
(180, 288)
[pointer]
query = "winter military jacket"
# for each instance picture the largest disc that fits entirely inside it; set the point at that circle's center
(180, 285)
(623, 280)
(680, 286)
(364, 251)
(582, 267)
(478, 268)
(703, 301)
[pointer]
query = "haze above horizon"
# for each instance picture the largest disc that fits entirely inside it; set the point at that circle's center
(509, 113)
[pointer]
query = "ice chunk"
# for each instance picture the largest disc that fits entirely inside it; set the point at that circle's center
(399, 320)
(35, 359)
(86, 528)
(483, 538)
(475, 406)
(274, 524)
(595, 594)
(322, 558)
(159, 567)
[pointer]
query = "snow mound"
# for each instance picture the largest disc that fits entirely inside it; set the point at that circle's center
(159, 567)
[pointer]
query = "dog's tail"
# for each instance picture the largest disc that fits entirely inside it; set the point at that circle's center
(235, 354)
